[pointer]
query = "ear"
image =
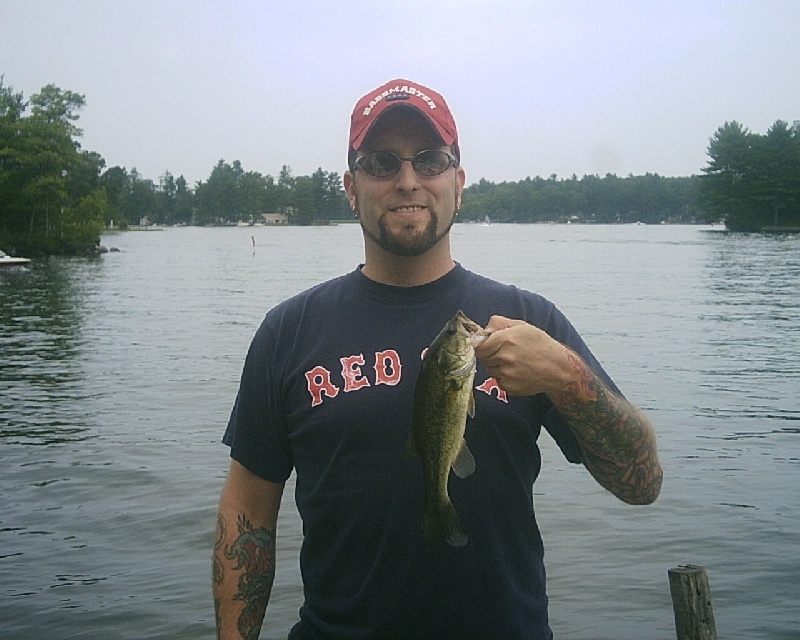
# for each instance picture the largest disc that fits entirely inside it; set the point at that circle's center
(461, 179)
(348, 181)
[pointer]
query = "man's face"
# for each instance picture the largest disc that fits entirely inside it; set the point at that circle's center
(404, 214)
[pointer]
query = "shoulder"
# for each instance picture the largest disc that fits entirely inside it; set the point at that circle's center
(510, 300)
(320, 294)
(304, 310)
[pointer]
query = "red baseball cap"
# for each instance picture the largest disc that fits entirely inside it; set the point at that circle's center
(402, 93)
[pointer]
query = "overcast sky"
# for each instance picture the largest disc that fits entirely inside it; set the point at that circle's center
(537, 88)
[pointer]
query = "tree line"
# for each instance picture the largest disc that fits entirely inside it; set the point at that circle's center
(751, 183)
(651, 199)
(56, 197)
(229, 195)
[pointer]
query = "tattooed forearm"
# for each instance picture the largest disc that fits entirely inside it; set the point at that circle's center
(218, 569)
(618, 443)
(251, 562)
(254, 552)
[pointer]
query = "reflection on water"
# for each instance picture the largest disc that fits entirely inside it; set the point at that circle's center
(42, 381)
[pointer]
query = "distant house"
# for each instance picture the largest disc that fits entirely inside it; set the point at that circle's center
(275, 218)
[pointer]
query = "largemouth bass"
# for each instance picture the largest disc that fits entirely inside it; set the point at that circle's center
(442, 400)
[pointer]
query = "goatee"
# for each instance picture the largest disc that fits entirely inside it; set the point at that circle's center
(408, 245)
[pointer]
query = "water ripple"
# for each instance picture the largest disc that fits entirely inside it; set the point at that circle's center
(117, 375)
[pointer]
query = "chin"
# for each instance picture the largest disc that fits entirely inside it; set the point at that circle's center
(409, 243)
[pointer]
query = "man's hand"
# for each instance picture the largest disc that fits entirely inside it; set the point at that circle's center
(617, 441)
(524, 359)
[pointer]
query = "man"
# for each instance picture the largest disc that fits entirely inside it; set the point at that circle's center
(327, 390)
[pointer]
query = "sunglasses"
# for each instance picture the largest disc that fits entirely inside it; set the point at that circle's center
(382, 164)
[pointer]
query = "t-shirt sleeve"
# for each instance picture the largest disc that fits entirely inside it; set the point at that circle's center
(256, 431)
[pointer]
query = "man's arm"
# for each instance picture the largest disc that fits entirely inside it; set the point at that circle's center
(244, 552)
(617, 440)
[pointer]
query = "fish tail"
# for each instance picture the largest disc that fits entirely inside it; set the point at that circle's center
(442, 523)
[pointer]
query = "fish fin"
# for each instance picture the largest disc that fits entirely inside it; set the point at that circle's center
(471, 405)
(464, 464)
(443, 524)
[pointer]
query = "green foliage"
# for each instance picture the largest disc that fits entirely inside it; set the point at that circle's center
(57, 198)
(317, 198)
(82, 223)
(231, 195)
(49, 195)
(752, 181)
(649, 198)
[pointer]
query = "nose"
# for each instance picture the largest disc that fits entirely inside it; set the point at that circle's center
(406, 179)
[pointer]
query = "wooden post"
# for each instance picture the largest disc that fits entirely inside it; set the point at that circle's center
(691, 603)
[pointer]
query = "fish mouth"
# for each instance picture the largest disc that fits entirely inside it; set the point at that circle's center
(474, 333)
(476, 338)
(470, 333)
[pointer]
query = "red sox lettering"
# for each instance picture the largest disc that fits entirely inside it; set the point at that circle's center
(387, 369)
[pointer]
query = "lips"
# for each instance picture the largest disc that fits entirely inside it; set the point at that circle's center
(407, 209)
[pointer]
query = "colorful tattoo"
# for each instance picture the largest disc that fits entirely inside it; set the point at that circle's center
(254, 553)
(218, 569)
(618, 444)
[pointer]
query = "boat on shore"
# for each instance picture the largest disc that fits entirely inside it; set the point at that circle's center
(10, 261)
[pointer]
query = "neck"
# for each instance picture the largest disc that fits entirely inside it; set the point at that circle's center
(400, 271)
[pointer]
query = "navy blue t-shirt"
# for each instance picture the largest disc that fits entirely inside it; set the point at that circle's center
(327, 390)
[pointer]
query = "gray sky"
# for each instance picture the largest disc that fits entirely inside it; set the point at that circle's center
(537, 87)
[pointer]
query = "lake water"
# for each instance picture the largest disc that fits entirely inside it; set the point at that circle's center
(117, 374)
